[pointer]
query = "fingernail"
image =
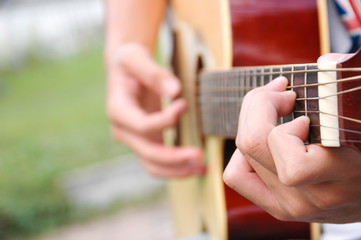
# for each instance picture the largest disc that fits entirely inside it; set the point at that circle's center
(292, 93)
(305, 118)
(170, 87)
(283, 78)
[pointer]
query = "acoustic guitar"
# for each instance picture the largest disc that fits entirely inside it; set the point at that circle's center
(217, 44)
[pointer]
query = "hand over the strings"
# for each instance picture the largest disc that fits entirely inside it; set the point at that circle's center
(135, 86)
(275, 169)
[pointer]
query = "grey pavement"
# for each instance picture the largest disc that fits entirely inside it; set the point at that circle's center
(117, 180)
(103, 184)
(151, 222)
(100, 185)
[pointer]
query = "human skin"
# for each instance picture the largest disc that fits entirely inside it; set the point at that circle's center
(275, 169)
(271, 166)
(135, 85)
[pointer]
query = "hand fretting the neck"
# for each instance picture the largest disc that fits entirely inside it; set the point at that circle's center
(326, 93)
(221, 94)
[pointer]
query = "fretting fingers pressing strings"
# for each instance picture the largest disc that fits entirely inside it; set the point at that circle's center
(291, 180)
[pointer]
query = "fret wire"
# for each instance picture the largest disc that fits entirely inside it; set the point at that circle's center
(248, 80)
(271, 73)
(292, 84)
(233, 113)
(254, 79)
(281, 118)
(305, 91)
(262, 77)
(244, 91)
(238, 82)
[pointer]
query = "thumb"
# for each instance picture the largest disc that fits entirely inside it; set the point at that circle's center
(138, 62)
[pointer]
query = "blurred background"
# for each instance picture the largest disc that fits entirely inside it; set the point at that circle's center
(61, 174)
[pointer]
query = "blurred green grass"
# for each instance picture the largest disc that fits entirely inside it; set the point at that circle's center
(52, 119)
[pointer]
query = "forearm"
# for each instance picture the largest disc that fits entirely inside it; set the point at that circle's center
(132, 21)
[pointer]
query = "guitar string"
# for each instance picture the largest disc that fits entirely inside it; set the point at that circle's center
(341, 129)
(214, 72)
(334, 115)
(306, 98)
(331, 95)
(349, 79)
(336, 140)
(314, 84)
(232, 89)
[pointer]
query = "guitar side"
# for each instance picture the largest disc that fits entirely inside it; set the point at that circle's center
(194, 31)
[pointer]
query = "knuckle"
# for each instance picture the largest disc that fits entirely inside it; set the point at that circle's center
(327, 202)
(141, 129)
(229, 178)
(250, 144)
(155, 76)
(296, 212)
(291, 176)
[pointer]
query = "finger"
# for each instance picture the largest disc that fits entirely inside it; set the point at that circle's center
(158, 153)
(240, 176)
(138, 62)
(291, 204)
(278, 84)
(299, 164)
(261, 118)
(172, 171)
(334, 57)
(146, 123)
(124, 110)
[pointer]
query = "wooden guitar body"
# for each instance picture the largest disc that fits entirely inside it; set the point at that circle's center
(221, 34)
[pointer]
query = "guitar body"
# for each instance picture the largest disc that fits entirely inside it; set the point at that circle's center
(220, 34)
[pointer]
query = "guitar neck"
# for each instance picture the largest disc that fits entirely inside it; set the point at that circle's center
(221, 94)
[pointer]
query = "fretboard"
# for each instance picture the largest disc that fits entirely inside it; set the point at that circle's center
(221, 94)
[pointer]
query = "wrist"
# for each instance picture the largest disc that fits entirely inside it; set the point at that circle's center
(114, 53)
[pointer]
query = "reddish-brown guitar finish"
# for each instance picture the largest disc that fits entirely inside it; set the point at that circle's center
(348, 105)
(269, 32)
